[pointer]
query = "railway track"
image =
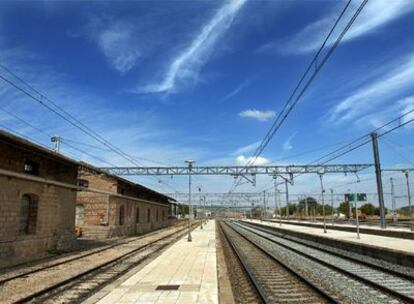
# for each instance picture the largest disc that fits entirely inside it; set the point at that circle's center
(243, 288)
(346, 279)
(273, 281)
(76, 279)
(22, 270)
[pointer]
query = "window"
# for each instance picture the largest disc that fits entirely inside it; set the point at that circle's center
(28, 214)
(148, 215)
(156, 215)
(121, 215)
(163, 214)
(137, 216)
(31, 167)
(83, 183)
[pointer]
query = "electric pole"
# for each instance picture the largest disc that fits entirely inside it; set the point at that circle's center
(394, 211)
(374, 137)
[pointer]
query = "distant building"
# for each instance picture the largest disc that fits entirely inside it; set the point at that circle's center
(112, 206)
(37, 199)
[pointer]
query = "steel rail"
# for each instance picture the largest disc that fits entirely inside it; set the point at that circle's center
(354, 259)
(77, 257)
(247, 269)
(288, 268)
(395, 293)
(113, 261)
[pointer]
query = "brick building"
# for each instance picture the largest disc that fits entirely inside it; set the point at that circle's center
(112, 206)
(37, 199)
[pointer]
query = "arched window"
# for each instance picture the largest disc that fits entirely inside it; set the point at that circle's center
(28, 214)
(121, 215)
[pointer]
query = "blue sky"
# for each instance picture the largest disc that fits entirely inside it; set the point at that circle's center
(171, 80)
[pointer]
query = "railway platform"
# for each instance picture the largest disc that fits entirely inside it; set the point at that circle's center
(369, 241)
(185, 273)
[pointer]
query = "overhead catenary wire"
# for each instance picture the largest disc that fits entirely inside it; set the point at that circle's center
(63, 114)
(292, 100)
(360, 141)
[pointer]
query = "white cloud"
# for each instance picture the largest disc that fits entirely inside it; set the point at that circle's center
(376, 14)
(186, 65)
(247, 148)
(257, 114)
(367, 98)
(407, 105)
(287, 145)
(116, 42)
(243, 160)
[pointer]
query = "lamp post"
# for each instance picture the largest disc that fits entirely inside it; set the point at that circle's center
(323, 202)
(190, 207)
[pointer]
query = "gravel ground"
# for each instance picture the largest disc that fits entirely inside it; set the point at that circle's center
(363, 258)
(401, 285)
(275, 282)
(340, 286)
(243, 290)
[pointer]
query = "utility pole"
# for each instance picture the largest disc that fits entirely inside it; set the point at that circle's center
(56, 140)
(409, 200)
(275, 184)
(394, 210)
(374, 137)
(332, 206)
(323, 202)
(306, 207)
(350, 208)
(264, 204)
(199, 193)
(287, 199)
(204, 215)
(190, 207)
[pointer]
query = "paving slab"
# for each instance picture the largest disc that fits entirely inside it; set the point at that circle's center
(185, 273)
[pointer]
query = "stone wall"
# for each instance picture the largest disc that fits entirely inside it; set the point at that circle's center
(54, 228)
(35, 215)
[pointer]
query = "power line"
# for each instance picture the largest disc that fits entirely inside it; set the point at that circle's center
(292, 101)
(56, 109)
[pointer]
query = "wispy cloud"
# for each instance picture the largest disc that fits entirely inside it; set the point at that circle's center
(287, 145)
(186, 65)
(116, 42)
(243, 160)
(375, 15)
(407, 105)
(236, 91)
(380, 90)
(247, 148)
(257, 114)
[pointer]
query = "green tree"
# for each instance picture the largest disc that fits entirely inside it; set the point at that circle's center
(368, 209)
(344, 208)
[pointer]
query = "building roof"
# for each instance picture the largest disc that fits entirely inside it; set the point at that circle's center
(13, 140)
(19, 142)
